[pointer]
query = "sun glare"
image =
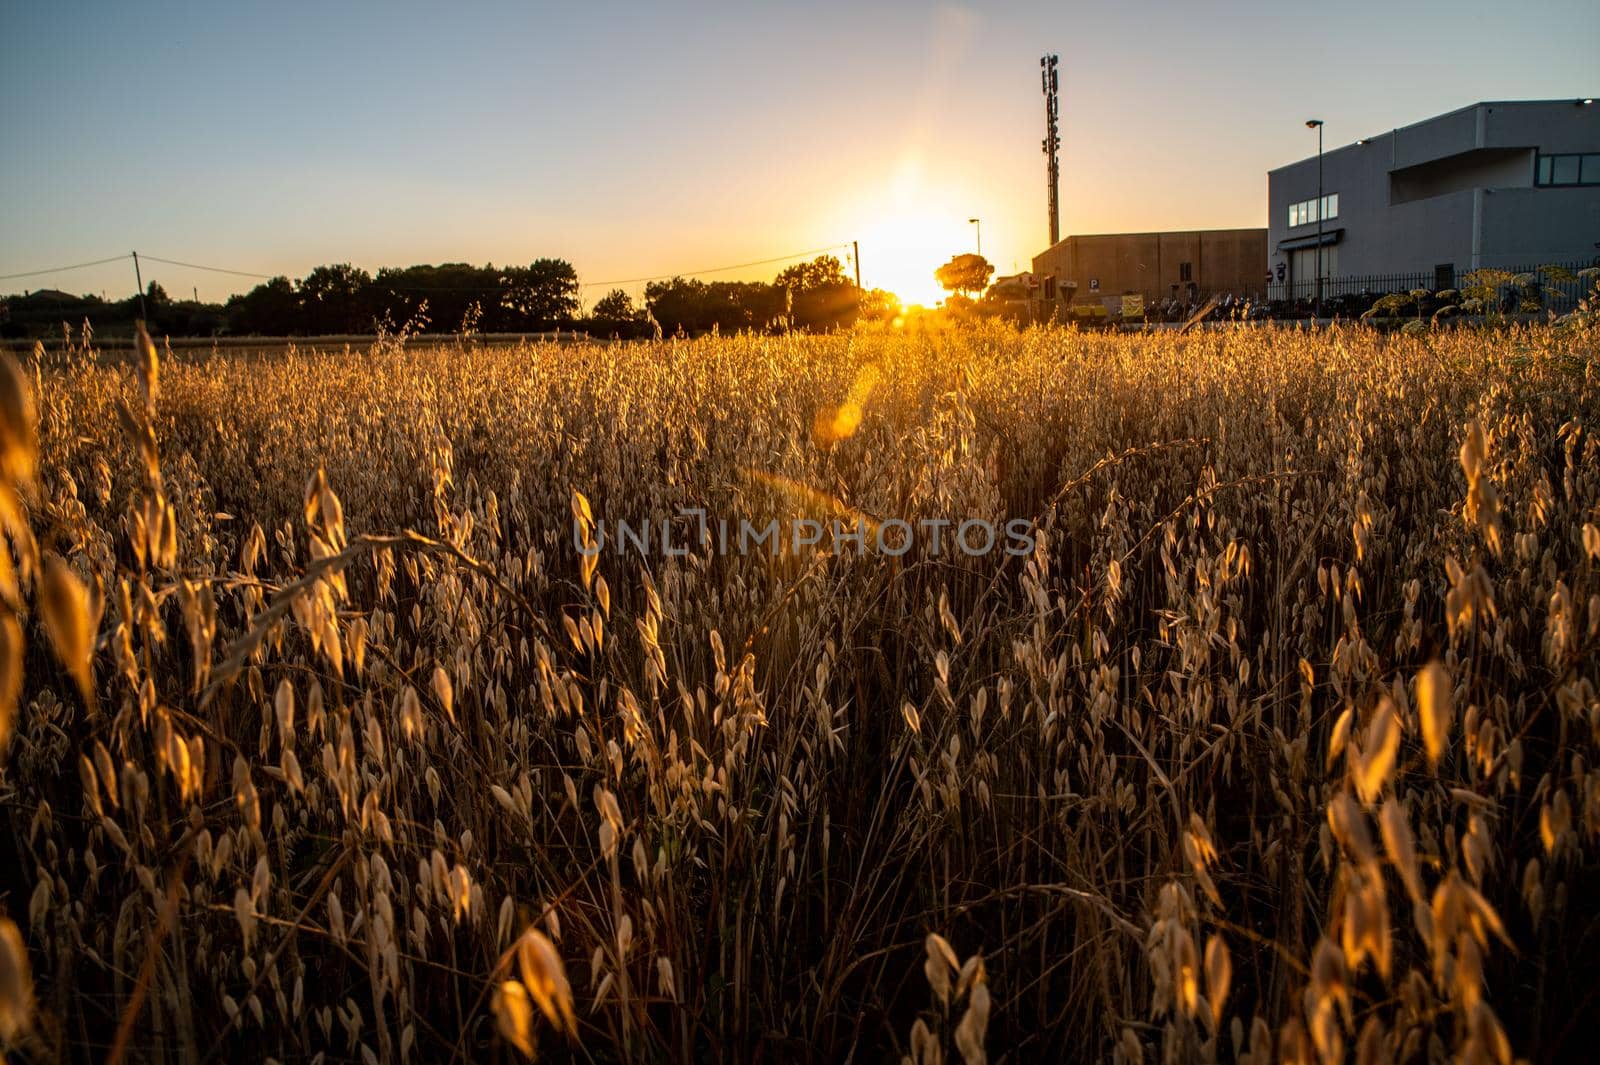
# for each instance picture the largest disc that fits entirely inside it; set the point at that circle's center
(900, 252)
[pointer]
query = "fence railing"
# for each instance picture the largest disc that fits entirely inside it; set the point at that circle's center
(1553, 285)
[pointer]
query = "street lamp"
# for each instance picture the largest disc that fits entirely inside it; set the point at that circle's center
(975, 222)
(1316, 124)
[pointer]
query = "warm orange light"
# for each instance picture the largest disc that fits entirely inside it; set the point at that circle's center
(909, 226)
(832, 424)
(900, 252)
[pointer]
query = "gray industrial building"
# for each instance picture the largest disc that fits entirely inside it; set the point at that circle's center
(1506, 184)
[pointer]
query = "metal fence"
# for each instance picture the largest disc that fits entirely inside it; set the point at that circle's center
(1553, 285)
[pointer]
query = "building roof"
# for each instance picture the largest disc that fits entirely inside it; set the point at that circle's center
(1569, 101)
(1152, 233)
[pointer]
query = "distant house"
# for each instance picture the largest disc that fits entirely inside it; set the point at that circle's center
(1012, 295)
(1501, 184)
(1009, 287)
(1190, 265)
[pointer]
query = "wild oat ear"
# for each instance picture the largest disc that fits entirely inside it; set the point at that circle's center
(16, 984)
(64, 605)
(457, 699)
(19, 460)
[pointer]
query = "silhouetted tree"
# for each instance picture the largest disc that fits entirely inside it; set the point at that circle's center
(335, 299)
(615, 315)
(342, 298)
(449, 290)
(543, 294)
(821, 296)
(878, 305)
(825, 271)
(964, 273)
(269, 309)
(809, 295)
(616, 306)
(695, 306)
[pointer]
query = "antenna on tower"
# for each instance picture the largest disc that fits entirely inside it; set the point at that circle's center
(1052, 142)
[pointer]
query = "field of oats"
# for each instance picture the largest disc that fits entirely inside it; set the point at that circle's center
(323, 740)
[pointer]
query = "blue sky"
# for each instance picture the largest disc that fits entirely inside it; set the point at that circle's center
(637, 140)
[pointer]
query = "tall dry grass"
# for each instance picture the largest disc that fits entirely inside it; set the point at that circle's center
(1281, 746)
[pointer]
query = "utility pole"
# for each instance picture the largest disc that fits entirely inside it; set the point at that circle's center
(1052, 142)
(979, 223)
(1316, 124)
(140, 282)
(855, 255)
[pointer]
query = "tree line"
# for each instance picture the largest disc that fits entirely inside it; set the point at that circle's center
(342, 299)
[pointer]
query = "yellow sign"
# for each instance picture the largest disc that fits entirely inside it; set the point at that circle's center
(1133, 306)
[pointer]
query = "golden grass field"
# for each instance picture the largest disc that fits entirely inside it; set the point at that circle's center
(1283, 745)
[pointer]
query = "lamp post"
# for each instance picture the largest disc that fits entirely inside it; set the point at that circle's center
(979, 225)
(1316, 124)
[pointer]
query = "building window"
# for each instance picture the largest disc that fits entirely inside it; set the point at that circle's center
(1444, 276)
(1305, 212)
(1186, 271)
(1570, 169)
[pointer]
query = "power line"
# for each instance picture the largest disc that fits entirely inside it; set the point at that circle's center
(148, 258)
(62, 269)
(213, 269)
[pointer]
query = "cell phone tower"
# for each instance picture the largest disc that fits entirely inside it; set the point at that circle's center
(1052, 142)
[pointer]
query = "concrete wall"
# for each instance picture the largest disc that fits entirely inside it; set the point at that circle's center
(1433, 138)
(1411, 237)
(1150, 264)
(1481, 168)
(1551, 126)
(1453, 189)
(1523, 227)
(1235, 261)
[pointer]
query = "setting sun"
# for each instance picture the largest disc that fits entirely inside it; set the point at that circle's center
(901, 252)
(909, 229)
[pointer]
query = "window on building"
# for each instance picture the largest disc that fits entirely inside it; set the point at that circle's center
(1444, 276)
(1186, 271)
(1568, 169)
(1305, 212)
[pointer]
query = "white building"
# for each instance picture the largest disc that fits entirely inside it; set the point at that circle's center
(1512, 184)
